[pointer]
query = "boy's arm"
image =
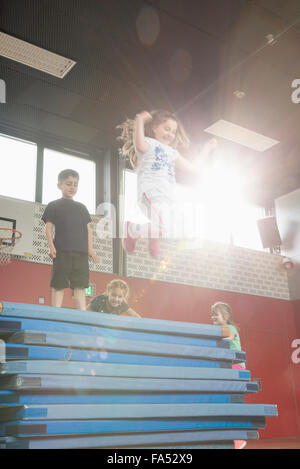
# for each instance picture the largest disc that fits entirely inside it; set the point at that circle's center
(139, 131)
(91, 251)
(49, 235)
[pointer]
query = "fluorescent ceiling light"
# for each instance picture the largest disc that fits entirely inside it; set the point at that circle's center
(33, 56)
(241, 135)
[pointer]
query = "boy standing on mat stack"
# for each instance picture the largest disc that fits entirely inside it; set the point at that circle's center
(73, 242)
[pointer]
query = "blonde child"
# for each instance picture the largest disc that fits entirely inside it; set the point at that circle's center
(114, 301)
(221, 315)
(151, 143)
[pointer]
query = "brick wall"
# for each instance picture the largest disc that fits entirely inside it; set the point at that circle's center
(211, 265)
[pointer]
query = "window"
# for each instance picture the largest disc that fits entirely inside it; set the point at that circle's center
(245, 230)
(54, 162)
(18, 168)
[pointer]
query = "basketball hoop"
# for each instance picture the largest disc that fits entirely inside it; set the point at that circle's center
(8, 240)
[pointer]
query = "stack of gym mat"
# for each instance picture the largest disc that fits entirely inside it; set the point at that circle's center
(79, 379)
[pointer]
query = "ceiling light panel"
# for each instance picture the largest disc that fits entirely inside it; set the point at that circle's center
(241, 135)
(33, 56)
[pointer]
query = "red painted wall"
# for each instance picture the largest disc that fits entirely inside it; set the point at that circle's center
(295, 368)
(267, 328)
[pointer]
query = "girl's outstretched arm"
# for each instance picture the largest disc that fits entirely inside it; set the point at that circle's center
(208, 147)
(139, 131)
(193, 168)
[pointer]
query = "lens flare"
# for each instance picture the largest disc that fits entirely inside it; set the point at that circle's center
(148, 25)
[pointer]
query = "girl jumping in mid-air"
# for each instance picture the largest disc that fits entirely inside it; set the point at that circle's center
(151, 142)
(221, 315)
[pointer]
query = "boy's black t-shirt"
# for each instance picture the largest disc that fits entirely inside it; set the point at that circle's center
(100, 305)
(70, 219)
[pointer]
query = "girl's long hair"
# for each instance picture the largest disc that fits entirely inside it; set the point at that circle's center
(158, 117)
(219, 305)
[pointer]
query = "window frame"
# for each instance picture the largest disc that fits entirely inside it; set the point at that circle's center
(98, 154)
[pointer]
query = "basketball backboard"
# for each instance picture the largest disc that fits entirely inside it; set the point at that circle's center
(18, 215)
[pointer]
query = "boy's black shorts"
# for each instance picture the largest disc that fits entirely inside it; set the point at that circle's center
(70, 270)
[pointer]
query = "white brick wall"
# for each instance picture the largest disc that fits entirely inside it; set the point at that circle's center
(211, 265)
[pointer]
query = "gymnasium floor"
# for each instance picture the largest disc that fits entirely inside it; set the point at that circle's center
(275, 443)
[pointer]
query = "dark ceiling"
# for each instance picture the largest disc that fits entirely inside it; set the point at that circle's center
(188, 56)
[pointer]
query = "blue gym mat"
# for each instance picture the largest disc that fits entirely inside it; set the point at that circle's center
(23, 310)
(35, 352)
(9, 442)
(136, 411)
(78, 427)
(9, 398)
(58, 326)
(44, 382)
(122, 345)
(124, 370)
(133, 440)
